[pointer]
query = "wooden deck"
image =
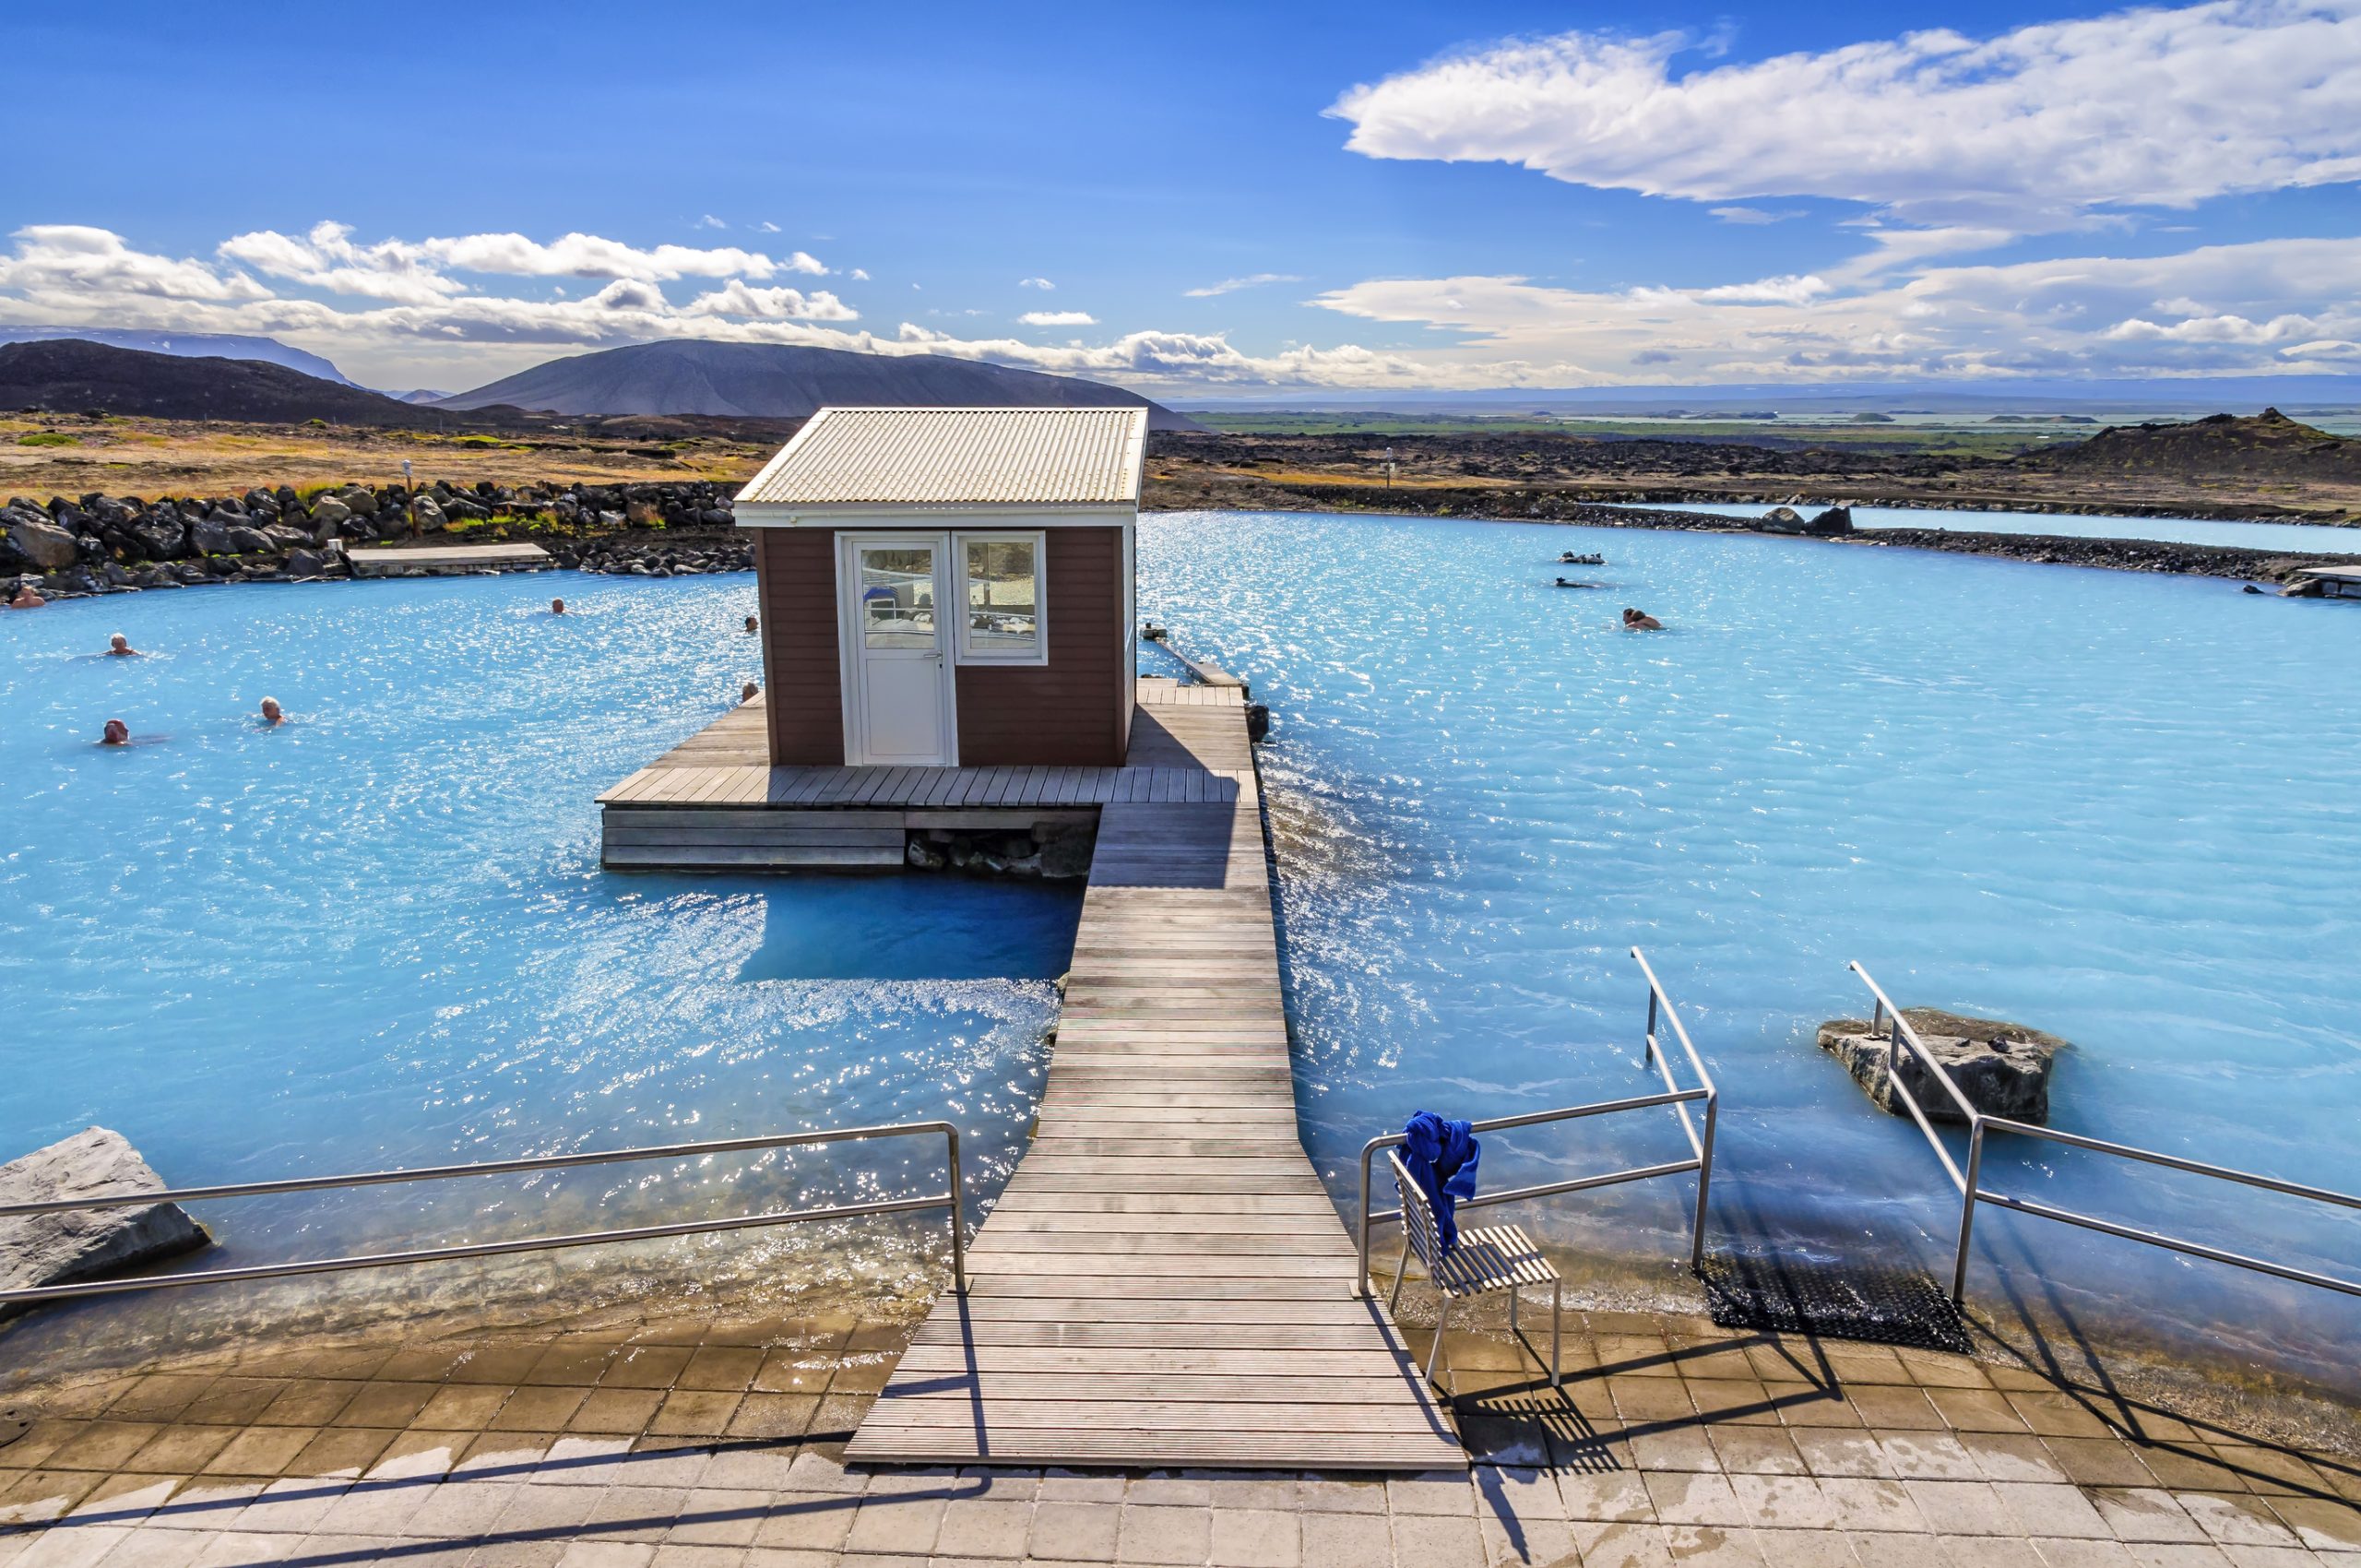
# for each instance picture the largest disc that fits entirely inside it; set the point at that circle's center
(712, 802)
(1165, 1282)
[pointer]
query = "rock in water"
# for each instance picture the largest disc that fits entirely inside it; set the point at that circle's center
(52, 1249)
(2003, 1068)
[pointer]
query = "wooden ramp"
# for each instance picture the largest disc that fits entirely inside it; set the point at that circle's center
(1165, 1281)
(436, 559)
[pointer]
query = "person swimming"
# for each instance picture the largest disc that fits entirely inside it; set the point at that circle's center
(1641, 621)
(749, 692)
(557, 607)
(753, 625)
(26, 598)
(116, 734)
(271, 713)
(119, 647)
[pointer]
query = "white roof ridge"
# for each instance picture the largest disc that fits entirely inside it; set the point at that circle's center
(856, 455)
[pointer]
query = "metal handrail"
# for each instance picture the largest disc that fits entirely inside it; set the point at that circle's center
(950, 1198)
(1701, 1146)
(1900, 1036)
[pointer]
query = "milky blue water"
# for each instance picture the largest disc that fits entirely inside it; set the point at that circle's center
(2120, 807)
(2117, 806)
(2314, 537)
(380, 936)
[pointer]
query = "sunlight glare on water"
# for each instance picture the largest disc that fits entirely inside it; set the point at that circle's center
(2119, 807)
(380, 936)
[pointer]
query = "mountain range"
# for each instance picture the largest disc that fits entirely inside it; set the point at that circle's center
(188, 345)
(71, 376)
(782, 381)
(149, 373)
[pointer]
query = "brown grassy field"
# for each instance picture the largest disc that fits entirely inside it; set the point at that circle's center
(152, 456)
(43, 455)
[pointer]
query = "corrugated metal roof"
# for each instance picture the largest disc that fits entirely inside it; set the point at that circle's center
(958, 456)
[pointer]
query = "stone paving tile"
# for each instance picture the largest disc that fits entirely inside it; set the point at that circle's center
(684, 1442)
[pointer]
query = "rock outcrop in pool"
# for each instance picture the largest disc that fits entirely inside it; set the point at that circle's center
(2003, 1068)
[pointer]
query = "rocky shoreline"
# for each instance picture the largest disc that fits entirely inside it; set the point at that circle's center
(102, 544)
(98, 544)
(2237, 562)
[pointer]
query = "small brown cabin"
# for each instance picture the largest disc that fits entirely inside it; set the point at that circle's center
(949, 587)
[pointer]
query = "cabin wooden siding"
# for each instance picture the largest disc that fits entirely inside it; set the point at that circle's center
(795, 593)
(1073, 710)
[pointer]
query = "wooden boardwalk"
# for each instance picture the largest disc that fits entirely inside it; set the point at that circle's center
(1165, 1282)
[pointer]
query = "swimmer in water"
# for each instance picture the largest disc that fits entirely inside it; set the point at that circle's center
(271, 713)
(557, 607)
(117, 733)
(752, 625)
(1641, 621)
(26, 598)
(119, 647)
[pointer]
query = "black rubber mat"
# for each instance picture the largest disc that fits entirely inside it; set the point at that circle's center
(1853, 1301)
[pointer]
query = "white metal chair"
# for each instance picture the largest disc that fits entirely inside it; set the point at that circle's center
(1488, 1258)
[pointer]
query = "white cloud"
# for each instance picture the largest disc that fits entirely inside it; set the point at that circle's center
(2283, 306)
(326, 257)
(66, 258)
(709, 222)
(735, 298)
(1753, 215)
(1231, 285)
(859, 275)
(65, 276)
(2037, 128)
(1058, 318)
(1035, 283)
(767, 227)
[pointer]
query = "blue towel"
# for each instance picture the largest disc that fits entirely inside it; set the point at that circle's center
(1442, 1157)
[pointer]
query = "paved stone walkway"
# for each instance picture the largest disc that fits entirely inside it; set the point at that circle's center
(696, 1444)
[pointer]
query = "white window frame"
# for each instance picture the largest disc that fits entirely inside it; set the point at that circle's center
(966, 653)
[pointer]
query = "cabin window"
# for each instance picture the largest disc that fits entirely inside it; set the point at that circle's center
(1001, 574)
(898, 597)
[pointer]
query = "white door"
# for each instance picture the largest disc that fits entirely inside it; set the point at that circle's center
(897, 593)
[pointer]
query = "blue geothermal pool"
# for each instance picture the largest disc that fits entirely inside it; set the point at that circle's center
(380, 936)
(2116, 806)
(2120, 807)
(2310, 538)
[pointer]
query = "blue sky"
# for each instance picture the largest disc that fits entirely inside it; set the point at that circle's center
(1463, 195)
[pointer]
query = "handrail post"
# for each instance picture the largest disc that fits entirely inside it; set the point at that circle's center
(1648, 1040)
(1361, 1280)
(1967, 1209)
(958, 1210)
(1704, 1180)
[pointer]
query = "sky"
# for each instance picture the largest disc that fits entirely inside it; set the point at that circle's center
(1213, 201)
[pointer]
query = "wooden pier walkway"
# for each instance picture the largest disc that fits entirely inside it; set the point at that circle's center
(1165, 1282)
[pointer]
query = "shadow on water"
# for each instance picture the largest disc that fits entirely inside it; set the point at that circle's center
(917, 927)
